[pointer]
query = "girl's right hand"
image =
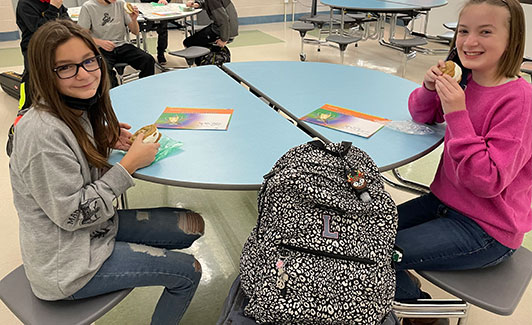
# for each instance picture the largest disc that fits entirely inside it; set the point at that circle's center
(432, 73)
(139, 155)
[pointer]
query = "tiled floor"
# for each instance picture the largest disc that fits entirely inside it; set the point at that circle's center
(229, 215)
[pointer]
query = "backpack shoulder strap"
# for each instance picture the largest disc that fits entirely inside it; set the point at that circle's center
(343, 150)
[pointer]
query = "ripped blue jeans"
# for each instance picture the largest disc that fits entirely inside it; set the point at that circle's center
(142, 256)
(436, 237)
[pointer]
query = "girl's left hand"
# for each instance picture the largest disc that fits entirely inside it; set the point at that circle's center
(451, 95)
(124, 140)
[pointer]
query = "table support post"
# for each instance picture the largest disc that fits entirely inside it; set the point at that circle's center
(404, 184)
(330, 21)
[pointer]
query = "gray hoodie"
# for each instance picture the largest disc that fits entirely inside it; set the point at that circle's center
(67, 219)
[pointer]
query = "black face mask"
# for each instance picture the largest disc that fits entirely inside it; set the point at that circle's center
(80, 104)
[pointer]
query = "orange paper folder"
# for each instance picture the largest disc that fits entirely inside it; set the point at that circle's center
(346, 120)
(194, 118)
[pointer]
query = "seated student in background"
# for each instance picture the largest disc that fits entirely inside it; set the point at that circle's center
(479, 206)
(223, 28)
(162, 34)
(74, 243)
(30, 15)
(108, 21)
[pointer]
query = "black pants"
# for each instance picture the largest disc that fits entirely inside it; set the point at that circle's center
(132, 55)
(205, 37)
(162, 32)
(162, 35)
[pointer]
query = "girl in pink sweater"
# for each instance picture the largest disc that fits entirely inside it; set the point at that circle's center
(479, 207)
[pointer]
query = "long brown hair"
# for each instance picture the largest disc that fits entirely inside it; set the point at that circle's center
(510, 61)
(46, 96)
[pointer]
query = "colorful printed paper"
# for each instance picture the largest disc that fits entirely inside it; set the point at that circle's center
(194, 118)
(346, 120)
(162, 10)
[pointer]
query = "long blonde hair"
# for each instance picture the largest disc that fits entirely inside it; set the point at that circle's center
(46, 95)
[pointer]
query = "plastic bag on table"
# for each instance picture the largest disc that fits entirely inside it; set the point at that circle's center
(168, 147)
(409, 127)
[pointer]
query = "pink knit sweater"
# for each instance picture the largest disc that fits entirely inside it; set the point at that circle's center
(485, 171)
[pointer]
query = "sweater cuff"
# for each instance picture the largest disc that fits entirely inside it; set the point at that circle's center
(425, 87)
(459, 124)
(118, 179)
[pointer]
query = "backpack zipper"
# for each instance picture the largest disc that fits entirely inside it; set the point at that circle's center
(331, 255)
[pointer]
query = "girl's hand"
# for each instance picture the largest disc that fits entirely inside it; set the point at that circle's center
(451, 95)
(139, 155)
(432, 73)
(124, 139)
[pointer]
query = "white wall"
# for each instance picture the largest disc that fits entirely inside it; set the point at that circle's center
(247, 8)
(528, 15)
(441, 15)
(7, 17)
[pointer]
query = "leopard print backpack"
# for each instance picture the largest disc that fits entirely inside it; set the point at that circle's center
(322, 249)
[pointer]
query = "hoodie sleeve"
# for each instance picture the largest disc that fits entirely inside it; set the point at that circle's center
(33, 18)
(52, 176)
(220, 18)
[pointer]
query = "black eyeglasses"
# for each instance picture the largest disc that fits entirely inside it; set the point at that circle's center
(68, 71)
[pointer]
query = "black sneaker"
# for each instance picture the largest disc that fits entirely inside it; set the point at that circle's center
(161, 59)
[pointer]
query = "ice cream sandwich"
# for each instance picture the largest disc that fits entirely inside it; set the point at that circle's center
(452, 69)
(151, 134)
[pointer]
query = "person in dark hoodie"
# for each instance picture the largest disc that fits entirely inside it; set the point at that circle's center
(32, 14)
(223, 28)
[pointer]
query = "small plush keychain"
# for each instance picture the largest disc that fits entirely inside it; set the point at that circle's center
(356, 178)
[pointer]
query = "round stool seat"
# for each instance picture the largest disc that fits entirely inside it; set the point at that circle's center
(357, 16)
(409, 42)
(321, 20)
(302, 26)
(361, 17)
(451, 25)
(120, 67)
(191, 52)
(342, 40)
(526, 67)
(16, 293)
(448, 36)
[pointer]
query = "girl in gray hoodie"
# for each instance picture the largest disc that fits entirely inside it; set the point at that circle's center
(75, 243)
